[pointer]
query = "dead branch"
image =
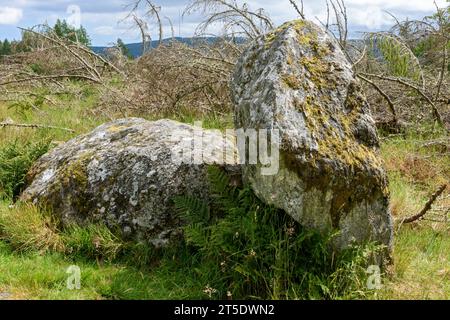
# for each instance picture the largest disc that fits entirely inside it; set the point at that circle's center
(145, 36)
(340, 12)
(154, 12)
(427, 207)
(231, 15)
(59, 76)
(33, 126)
(436, 113)
(151, 11)
(361, 58)
(55, 39)
(300, 10)
(444, 57)
(383, 94)
(172, 29)
(26, 93)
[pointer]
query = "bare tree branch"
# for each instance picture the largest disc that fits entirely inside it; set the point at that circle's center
(427, 207)
(300, 10)
(383, 94)
(436, 112)
(33, 126)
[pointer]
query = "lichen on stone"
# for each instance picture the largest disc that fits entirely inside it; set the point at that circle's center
(331, 173)
(76, 171)
(292, 81)
(122, 174)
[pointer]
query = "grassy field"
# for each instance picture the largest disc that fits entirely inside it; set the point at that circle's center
(422, 249)
(34, 256)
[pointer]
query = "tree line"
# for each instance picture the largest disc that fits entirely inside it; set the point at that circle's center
(61, 28)
(64, 31)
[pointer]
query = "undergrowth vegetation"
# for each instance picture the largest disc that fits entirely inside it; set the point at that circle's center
(236, 246)
(15, 161)
(245, 248)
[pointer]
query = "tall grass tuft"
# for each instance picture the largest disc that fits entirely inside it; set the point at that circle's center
(27, 228)
(93, 241)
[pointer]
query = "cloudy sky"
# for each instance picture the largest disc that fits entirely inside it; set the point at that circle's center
(101, 17)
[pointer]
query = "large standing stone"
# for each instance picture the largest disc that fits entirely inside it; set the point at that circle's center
(126, 174)
(296, 79)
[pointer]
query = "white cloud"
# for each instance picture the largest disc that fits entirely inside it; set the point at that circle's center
(10, 16)
(106, 31)
(114, 32)
(370, 17)
(101, 17)
(405, 5)
(363, 15)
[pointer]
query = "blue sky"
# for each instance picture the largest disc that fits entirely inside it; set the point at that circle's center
(101, 17)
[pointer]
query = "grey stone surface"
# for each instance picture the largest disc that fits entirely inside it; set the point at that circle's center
(297, 80)
(125, 175)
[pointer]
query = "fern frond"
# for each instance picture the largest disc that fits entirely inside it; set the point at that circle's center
(197, 235)
(192, 209)
(223, 193)
(219, 180)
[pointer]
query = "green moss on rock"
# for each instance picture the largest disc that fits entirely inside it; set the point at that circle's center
(76, 172)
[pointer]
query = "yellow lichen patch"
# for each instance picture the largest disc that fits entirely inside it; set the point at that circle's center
(271, 36)
(331, 129)
(289, 60)
(337, 141)
(320, 49)
(317, 117)
(279, 117)
(304, 40)
(251, 60)
(307, 36)
(114, 129)
(314, 61)
(338, 151)
(292, 81)
(317, 69)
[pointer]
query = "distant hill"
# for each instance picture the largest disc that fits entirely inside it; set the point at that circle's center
(136, 48)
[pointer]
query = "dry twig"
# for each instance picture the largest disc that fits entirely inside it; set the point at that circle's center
(33, 126)
(427, 207)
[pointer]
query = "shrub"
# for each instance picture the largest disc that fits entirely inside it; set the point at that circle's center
(37, 68)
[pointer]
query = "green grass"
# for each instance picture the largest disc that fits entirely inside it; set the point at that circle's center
(31, 275)
(26, 228)
(36, 276)
(421, 269)
(247, 252)
(422, 250)
(35, 253)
